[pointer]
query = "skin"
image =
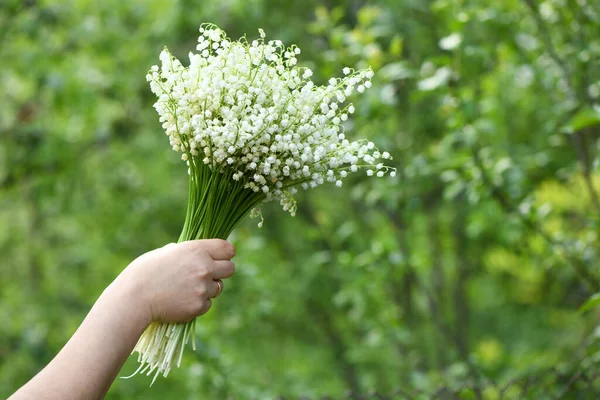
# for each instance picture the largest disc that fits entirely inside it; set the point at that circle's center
(170, 284)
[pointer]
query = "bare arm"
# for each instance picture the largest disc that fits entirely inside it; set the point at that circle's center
(170, 284)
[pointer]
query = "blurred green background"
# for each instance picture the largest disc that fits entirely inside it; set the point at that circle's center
(469, 266)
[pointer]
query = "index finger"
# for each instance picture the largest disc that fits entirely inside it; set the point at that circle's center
(217, 249)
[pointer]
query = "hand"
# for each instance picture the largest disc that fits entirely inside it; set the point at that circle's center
(175, 283)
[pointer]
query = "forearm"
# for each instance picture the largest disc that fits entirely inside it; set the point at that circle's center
(90, 361)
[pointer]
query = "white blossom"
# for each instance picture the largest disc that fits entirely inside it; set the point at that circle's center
(451, 41)
(249, 111)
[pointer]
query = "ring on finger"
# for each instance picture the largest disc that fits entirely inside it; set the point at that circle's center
(219, 287)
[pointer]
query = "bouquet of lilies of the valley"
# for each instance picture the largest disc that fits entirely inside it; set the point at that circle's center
(252, 127)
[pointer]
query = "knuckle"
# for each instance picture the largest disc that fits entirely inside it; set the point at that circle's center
(200, 252)
(189, 245)
(202, 273)
(201, 291)
(169, 246)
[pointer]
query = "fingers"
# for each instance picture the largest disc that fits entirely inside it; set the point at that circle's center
(206, 307)
(215, 289)
(217, 249)
(222, 269)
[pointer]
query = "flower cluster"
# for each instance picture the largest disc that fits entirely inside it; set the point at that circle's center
(248, 110)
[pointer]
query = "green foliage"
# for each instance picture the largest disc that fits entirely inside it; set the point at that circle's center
(592, 302)
(588, 117)
(473, 262)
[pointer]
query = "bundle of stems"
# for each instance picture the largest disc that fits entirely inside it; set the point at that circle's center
(216, 205)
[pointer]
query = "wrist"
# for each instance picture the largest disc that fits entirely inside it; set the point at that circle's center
(127, 298)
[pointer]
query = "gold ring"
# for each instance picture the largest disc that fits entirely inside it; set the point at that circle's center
(219, 287)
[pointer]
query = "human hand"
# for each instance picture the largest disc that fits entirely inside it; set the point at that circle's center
(176, 282)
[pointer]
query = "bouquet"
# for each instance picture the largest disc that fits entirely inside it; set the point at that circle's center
(252, 127)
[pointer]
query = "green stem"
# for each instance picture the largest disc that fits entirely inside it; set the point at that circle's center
(216, 203)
